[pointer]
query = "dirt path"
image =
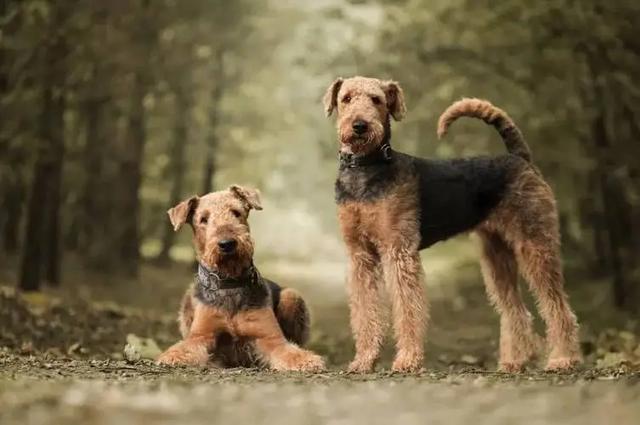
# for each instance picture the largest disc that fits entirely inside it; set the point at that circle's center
(61, 363)
(39, 391)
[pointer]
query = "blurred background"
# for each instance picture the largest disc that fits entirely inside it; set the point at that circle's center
(113, 112)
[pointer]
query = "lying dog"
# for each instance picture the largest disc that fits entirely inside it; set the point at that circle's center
(392, 205)
(231, 314)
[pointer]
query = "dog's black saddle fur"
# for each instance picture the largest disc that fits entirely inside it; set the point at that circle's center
(453, 195)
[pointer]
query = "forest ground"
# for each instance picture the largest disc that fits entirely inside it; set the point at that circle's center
(61, 358)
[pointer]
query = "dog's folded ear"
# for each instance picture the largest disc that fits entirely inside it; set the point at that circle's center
(330, 98)
(395, 99)
(249, 195)
(183, 212)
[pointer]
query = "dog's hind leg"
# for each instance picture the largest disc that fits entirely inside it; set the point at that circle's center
(530, 224)
(518, 341)
(540, 264)
(185, 315)
(293, 316)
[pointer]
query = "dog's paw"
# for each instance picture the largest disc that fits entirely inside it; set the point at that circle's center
(407, 363)
(297, 359)
(184, 354)
(310, 362)
(562, 363)
(361, 365)
(171, 358)
(511, 367)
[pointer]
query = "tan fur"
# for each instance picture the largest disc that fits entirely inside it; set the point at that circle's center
(477, 108)
(185, 314)
(527, 220)
(367, 311)
(484, 110)
(518, 341)
(258, 327)
(523, 230)
(194, 350)
(249, 335)
(262, 326)
(293, 316)
(386, 233)
(181, 213)
(382, 238)
(217, 216)
(249, 195)
(367, 99)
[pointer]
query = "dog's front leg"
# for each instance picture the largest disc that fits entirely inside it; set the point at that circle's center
(262, 326)
(194, 350)
(365, 307)
(404, 275)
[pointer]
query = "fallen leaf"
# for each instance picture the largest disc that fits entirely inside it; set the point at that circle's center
(140, 348)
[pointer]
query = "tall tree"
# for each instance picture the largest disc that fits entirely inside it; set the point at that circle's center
(177, 164)
(12, 185)
(41, 242)
(211, 142)
(143, 35)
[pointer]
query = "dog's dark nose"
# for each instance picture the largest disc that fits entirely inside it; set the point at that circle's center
(359, 127)
(227, 246)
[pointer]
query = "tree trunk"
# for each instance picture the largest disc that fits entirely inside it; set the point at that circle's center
(209, 170)
(96, 234)
(12, 186)
(176, 168)
(53, 253)
(4, 141)
(72, 207)
(633, 184)
(131, 173)
(32, 251)
(593, 220)
(13, 200)
(40, 252)
(144, 37)
(616, 209)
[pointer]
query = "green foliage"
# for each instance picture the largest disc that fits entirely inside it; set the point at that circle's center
(230, 92)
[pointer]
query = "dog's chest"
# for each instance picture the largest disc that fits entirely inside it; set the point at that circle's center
(360, 221)
(380, 223)
(365, 184)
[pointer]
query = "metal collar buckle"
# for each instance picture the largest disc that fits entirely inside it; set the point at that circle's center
(386, 152)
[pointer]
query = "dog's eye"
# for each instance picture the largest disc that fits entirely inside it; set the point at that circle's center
(375, 100)
(204, 219)
(346, 99)
(236, 213)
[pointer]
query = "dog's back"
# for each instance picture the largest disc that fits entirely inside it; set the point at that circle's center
(456, 195)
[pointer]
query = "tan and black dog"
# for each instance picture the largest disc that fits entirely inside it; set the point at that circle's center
(392, 205)
(231, 314)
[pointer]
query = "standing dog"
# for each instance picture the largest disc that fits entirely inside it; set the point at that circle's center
(232, 314)
(392, 205)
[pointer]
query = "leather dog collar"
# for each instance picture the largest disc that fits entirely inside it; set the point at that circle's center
(214, 280)
(382, 155)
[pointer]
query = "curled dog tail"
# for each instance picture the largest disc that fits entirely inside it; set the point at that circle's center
(484, 110)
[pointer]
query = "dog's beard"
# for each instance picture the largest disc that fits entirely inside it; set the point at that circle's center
(361, 144)
(232, 264)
